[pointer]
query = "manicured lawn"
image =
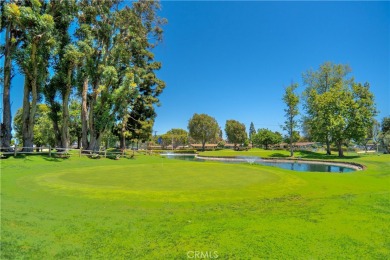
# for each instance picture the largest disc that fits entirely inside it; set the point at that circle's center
(155, 208)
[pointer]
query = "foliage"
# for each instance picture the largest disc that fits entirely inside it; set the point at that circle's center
(43, 128)
(108, 60)
(338, 109)
(176, 137)
(265, 137)
(318, 83)
(385, 125)
(203, 128)
(295, 138)
(384, 136)
(75, 122)
(252, 130)
(235, 132)
(291, 100)
(33, 55)
(221, 144)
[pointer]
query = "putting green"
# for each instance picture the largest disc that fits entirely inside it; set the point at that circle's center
(164, 179)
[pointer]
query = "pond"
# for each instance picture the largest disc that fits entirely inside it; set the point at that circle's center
(293, 165)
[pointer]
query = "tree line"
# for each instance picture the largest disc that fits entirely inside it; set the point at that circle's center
(92, 56)
(336, 112)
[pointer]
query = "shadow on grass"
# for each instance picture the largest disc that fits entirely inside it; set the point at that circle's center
(279, 155)
(54, 159)
(314, 155)
(23, 156)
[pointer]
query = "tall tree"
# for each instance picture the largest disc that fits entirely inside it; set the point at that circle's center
(55, 90)
(75, 122)
(12, 38)
(252, 130)
(235, 132)
(72, 58)
(341, 113)
(319, 83)
(203, 128)
(291, 100)
(32, 57)
(119, 76)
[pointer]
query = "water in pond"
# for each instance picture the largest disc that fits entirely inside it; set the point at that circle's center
(295, 166)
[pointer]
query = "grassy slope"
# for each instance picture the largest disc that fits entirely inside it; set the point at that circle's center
(159, 208)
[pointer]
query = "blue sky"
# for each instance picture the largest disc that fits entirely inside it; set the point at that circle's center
(232, 60)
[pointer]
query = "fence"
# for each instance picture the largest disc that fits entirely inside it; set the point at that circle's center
(61, 152)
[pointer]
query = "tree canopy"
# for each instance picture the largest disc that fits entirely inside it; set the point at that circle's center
(107, 63)
(176, 137)
(291, 100)
(203, 128)
(235, 132)
(337, 108)
(265, 137)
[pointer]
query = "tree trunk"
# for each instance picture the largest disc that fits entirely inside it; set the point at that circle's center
(57, 133)
(6, 134)
(54, 117)
(65, 122)
(203, 145)
(27, 128)
(65, 113)
(30, 109)
(340, 148)
(122, 140)
(291, 141)
(328, 151)
(78, 142)
(84, 114)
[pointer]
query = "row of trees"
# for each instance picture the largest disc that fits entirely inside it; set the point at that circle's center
(99, 53)
(338, 110)
(203, 128)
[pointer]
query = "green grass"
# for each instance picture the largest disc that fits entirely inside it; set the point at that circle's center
(157, 208)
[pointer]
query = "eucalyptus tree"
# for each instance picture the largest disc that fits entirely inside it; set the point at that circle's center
(291, 100)
(57, 88)
(12, 37)
(235, 132)
(203, 128)
(72, 58)
(32, 56)
(119, 75)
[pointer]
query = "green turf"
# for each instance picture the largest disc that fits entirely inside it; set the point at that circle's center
(157, 208)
